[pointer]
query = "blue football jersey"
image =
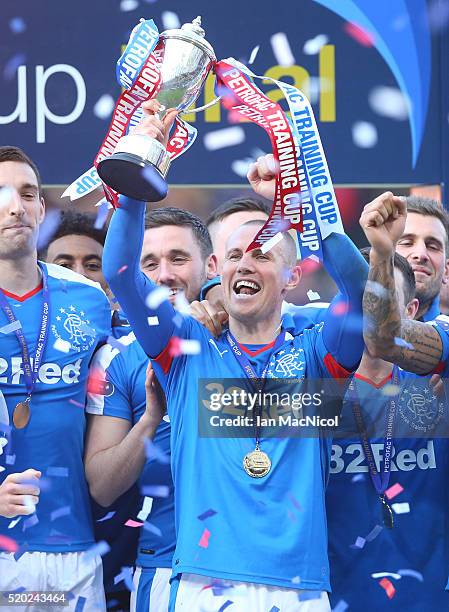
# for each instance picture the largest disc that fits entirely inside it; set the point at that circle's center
(53, 440)
(125, 377)
(269, 530)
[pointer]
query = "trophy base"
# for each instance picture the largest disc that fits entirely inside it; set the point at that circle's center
(132, 176)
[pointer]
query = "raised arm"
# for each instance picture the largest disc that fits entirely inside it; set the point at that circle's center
(414, 346)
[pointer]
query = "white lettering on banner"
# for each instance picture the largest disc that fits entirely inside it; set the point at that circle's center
(20, 113)
(404, 460)
(49, 373)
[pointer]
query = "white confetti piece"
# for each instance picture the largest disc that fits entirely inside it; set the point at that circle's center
(296, 580)
(63, 346)
(401, 508)
(153, 321)
(190, 347)
(30, 522)
(100, 548)
(6, 194)
(341, 606)
(378, 575)
(313, 295)
(128, 5)
(271, 243)
(152, 529)
(227, 137)
(253, 54)
(359, 543)
(156, 490)
(11, 327)
(60, 512)
(401, 342)
(411, 573)
(146, 508)
(104, 106)
(389, 102)
(48, 227)
(313, 45)
(374, 533)
(157, 296)
(181, 303)
(170, 20)
(364, 134)
(17, 25)
(14, 522)
(391, 390)
(358, 478)
(240, 166)
(177, 319)
(281, 49)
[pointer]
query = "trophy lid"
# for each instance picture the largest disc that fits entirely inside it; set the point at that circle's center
(193, 33)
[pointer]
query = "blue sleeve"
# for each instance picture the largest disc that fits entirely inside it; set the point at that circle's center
(343, 325)
(121, 268)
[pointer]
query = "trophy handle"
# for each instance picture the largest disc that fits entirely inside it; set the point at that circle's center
(197, 110)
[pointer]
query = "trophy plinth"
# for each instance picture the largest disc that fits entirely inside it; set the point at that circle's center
(139, 164)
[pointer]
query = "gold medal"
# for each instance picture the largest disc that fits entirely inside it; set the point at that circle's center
(257, 463)
(21, 414)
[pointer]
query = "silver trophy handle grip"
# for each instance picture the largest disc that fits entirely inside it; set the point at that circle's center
(197, 110)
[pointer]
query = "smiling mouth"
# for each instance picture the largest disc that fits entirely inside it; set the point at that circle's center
(244, 287)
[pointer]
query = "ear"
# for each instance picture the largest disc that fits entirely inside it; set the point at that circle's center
(42, 210)
(294, 278)
(412, 308)
(211, 266)
(445, 279)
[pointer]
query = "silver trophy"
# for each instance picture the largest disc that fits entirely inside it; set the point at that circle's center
(188, 59)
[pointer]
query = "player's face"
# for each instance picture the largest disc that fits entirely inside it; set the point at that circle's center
(171, 256)
(221, 230)
(254, 284)
(423, 245)
(82, 254)
(21, 209)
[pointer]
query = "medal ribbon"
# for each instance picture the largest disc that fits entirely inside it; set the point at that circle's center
(380, 480)
(246, 366)
(30, 372)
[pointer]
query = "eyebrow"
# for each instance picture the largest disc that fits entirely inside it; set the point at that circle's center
(31, 186)
(426, 238)
(68, 256)
(172, 252)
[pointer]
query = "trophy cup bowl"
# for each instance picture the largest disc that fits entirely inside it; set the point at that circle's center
(139, 164)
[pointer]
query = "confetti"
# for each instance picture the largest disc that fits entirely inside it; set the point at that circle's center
(341, 606)
(281, 49)
(14, 522)
(403, 508)
(6, 194)
(207, 514)
(152, 451)
(17, 25)
(177, 320)
(128, 5)
(296, 580)
(253, 54)
(394, 490)
(359, 543)
(106, 517)
(226, 137)
(11, 327)
(225, 605)
(48, 227)
(146, 508)
(181, 303)
(389, 102)
(157, 296)
(274, 609)
(156, 490)
(62, 472)
(385, 574)
(102, 214)
(63, 511)
(358, 478)
(313, 46)
(364, 134)
(404, 343)
(313, 295)
(80, 603)
(12, 66)
(390, 390)
(359, 34)
(388, 587)
(87, 330)
(152, 528)
(307, 595)
(8, 544)
(100, 548)
(131, 523)
(153, 321)
(438, 15)
(75, 403)
(104, 106)
(271, 243)
(204, 540)
(63, 346)
(122, 269)
(10, 459)
(170, 20)
(411, 573)
(30, 522)
(374, 533)
(183, 347)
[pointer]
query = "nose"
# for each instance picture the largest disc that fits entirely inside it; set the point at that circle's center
(246, 264)
(79, 268)
(15, 203)
(419, 252)
(166, 274)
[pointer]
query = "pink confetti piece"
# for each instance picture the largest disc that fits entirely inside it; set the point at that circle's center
(8, 544)
(75, 403)
(388, 587)
(122, 269)
(359, 34)
(131, 523)
(178, 346)
(106, 517)
(204, 540)
(394, 490)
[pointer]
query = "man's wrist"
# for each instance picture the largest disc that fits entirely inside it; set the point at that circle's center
(378, 257)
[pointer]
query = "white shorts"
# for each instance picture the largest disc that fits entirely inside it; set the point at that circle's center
(152, 589)
(194, 594)
(74, 572)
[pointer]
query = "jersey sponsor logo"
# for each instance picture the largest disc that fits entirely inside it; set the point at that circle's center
(287, 364)
(72, 326)
(420, 408)
(351, 459)
(50, 373)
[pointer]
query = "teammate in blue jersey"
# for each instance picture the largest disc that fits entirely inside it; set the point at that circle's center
(177, 254)
(362, 543)
(51, 321)
(231, 525)
(423, 347)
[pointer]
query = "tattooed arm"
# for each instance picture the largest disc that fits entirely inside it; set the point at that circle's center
(414, 346)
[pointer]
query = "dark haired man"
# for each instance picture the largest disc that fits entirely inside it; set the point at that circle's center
(51, 321)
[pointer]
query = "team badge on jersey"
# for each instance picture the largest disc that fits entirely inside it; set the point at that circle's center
(419, 407)
(287, 364)
(71, 326)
